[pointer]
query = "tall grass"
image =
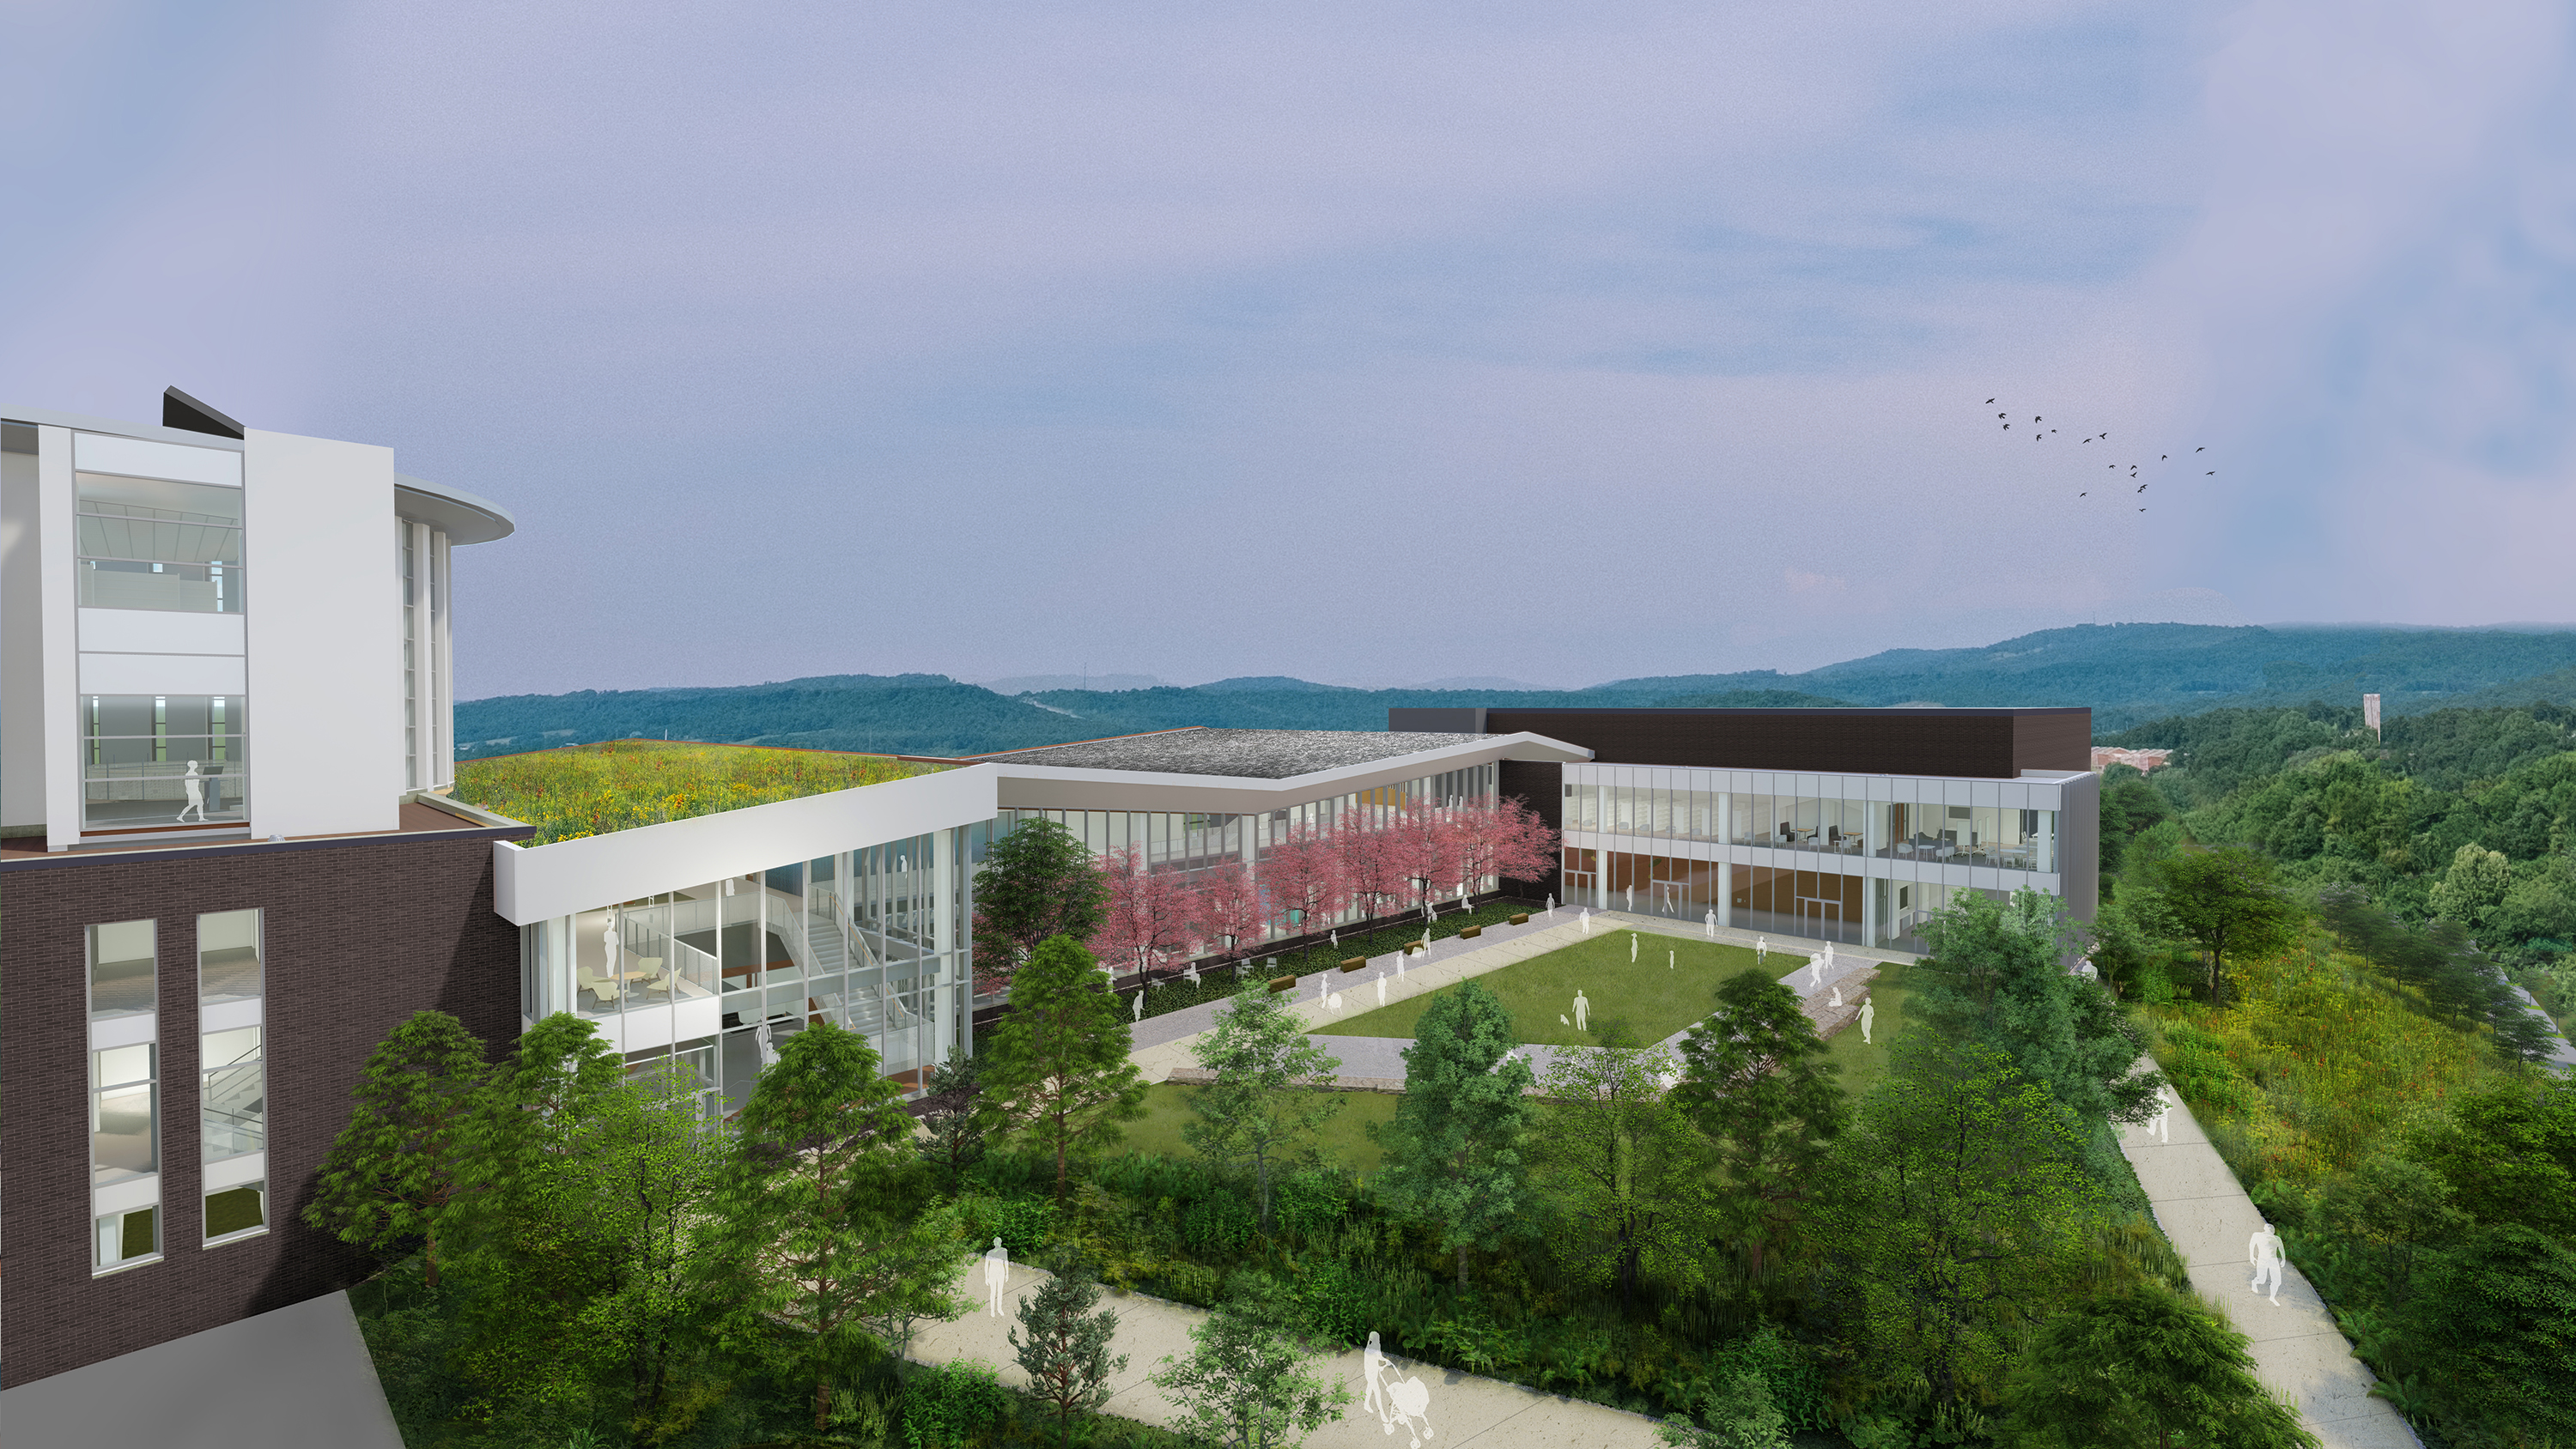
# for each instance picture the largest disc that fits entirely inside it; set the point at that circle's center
(2313, 1066)
(594, 789)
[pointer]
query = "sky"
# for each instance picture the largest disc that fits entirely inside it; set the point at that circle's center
(1367, 343)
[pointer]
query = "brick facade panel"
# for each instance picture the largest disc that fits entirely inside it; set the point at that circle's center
(357, 937)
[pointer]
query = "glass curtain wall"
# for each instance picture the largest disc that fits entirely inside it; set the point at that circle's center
(163, 760)
(873, 940)
(1958, 834)
(144, 543)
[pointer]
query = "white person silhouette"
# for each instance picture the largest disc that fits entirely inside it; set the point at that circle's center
(1372, 1369)
(1582, 1011)
(2264, 1250)
(1710, 923)
(997, 1274)
(1632, 948)
(1868, 1014)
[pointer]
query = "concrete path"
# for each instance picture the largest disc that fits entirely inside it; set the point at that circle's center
(2298, 1351)
(2563, 1057)
(1464, 1409)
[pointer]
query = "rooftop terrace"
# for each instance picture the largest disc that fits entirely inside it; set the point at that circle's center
(581, 790)
(1240, 754)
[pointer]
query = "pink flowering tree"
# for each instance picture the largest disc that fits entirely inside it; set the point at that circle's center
(1506, 840)
(1304, 875)
(1151, 914)
(1372, 865)
(1425, 846)
(1230, 914)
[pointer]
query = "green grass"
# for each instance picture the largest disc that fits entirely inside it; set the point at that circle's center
(1863, 1066)
(1343, 1139)
(1650, 998)
(594, 789)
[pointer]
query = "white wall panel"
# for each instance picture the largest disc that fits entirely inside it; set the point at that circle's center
(325, 637)
(22, 646)
(158, 631)
(163, 674)
(55, 502)
(101, 453)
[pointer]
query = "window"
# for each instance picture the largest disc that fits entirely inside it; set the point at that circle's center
(120, 970)
(128, 1237)
(228, 957)
(235, 1210)
(144, 543)
(162, 760)
(234, 1098)
(124, 1116)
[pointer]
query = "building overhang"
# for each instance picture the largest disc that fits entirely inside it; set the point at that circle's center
(1040, 787)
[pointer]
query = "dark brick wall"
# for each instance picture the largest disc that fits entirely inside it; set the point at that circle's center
(1541, 786)
(1989, 743)
(358, 936)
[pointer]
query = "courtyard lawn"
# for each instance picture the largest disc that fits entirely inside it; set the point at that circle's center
(1343, 1139)
(1650, 998)
(1863, 1066)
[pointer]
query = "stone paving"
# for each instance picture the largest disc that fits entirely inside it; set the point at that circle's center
(1464, 1409)
(2298, 1351)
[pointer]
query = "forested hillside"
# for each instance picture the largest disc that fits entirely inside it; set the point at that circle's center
(2126, 673)
(2464, 813)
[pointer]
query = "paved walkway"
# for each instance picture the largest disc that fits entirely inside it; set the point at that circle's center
(2298, 1351)
(2563, 1056)
(1464, 1409)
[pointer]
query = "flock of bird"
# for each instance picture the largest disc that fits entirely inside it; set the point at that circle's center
(2039, 432)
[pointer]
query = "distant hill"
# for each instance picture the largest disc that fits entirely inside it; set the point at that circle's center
(2127, 673)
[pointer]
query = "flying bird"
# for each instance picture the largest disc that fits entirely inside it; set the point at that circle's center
(2200, 450)
(2142, 487)
(2212, 473)
(1990, 402)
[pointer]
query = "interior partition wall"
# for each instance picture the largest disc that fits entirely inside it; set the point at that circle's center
(711, 980)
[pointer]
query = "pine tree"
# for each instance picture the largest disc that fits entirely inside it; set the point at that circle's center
(953, 1127)
(1057, 1067)
(395, 1167)
(1254, 1112)
(818, 1248)
(1756, 1080)
(1453, 1151)
(1066, 1353)
(1037, 882)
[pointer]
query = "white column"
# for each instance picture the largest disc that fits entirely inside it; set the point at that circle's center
(61, 702)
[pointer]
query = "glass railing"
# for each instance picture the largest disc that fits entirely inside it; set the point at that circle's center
(183, 588)
(163, 792)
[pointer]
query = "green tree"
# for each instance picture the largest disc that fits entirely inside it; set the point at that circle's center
(953, 1129)
(1453, 1150)
(1037, 882)
(818, 1244)
(575, 1247)
(1257, 1111)
(2507, 1154)
(1955, 1200)
(1996, 975)
(1250, 1380)
(1066, 1354)
(1057, 1066)
(2227, 901)
(1626, 1166)
(2129, 805)
(1756, 1080)
(2502, 1308)
(2472, 892)
(395, 1167)
(2143, 1368)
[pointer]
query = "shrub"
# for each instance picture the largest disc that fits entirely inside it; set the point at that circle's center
(1310, 1203)
(947, 1405)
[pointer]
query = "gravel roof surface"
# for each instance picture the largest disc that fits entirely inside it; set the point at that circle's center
(1244, 754)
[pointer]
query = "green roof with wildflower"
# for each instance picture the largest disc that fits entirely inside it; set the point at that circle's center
(580, 790)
